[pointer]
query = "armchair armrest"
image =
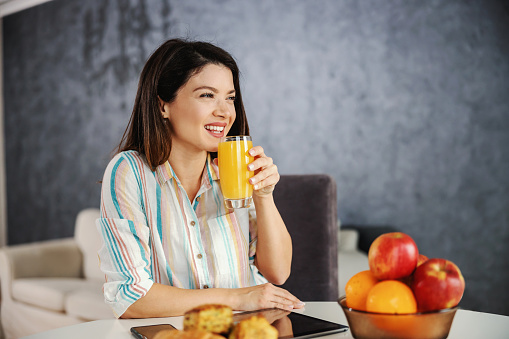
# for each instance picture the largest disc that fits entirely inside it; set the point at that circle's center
(348, 240)
(54, 258)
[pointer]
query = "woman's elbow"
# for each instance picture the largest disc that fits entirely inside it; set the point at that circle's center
(280, 281)
(134, 312)
(278, 278)
(129, 314)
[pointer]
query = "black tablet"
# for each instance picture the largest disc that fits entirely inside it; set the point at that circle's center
(288, 324)
(294, 325)
(149, 331)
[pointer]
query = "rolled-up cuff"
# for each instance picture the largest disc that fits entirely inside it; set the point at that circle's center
(120, 296)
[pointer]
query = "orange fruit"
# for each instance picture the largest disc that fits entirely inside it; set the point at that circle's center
(357, 289)
(391, 296)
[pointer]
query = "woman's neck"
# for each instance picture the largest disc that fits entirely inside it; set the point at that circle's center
(189, 169)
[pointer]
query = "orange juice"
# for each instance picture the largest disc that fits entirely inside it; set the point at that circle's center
(233, 159)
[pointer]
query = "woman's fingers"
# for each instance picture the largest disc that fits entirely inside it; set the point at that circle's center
(266, 172)
(256, 151)
(269, 296)
(290, 299)
(285, 295)
(283, 299)
(283, 304)
(267, 177)
(260, 163)
(260, 159)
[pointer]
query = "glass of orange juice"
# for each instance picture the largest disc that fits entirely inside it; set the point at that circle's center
(233, 158)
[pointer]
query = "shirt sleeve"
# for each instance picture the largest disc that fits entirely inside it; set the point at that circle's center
(124, 255)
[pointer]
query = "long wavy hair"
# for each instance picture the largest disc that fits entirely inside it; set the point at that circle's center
(165, 72)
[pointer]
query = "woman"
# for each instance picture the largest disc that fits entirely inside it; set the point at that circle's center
(169, 242)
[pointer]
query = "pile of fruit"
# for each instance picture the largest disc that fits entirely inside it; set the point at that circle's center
(402, 281)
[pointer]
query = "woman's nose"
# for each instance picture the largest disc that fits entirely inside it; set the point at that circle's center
(222, 109)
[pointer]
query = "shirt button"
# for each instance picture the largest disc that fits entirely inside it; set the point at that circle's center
(205, 286)
(199, 256)
(197, 198)
(193, 223)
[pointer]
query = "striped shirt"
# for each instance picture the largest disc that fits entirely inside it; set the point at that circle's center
(152, 232)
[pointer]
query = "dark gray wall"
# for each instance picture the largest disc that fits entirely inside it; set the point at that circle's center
(405, 103)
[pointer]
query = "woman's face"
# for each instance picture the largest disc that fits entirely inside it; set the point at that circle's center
(203, 110)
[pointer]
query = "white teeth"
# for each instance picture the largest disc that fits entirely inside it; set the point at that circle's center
(214, 128)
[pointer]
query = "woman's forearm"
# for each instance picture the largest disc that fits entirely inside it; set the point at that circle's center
(274, 246)
(168, 301)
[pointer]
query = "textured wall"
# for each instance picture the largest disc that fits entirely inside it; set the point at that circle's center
(405, 103)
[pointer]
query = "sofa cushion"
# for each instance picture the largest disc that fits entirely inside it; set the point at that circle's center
(51, 258)
(89, 242)
(50, 293)
(88, 305)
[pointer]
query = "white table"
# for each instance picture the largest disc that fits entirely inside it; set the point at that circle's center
(466, 324)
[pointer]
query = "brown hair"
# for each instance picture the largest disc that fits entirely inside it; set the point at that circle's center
(165, 72)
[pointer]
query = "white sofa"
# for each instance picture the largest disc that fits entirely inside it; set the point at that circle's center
(351, 260)
(55, 283)
(50, 284)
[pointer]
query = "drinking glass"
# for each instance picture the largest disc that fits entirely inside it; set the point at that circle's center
(234, 176)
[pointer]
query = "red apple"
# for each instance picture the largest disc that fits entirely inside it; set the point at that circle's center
(392, 256)
(421, 259)
(437, 284)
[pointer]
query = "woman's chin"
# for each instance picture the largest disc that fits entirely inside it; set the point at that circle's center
(212, 148)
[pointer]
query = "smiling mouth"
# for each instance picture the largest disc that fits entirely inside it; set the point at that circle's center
(215, 129)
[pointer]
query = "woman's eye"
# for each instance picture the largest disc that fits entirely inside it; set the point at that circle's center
(232, 98)
(207, 95)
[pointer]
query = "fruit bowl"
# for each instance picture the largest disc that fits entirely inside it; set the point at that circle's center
(367, 325)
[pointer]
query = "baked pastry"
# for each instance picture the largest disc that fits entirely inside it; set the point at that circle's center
(256, 327)
(213, 318)
(192, 334)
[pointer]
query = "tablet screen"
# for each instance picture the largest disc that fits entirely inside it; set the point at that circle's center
(294, 325)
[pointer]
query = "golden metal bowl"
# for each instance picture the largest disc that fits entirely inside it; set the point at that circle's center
(425, 325)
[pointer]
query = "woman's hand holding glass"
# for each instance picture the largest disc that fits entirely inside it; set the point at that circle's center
(266, 173)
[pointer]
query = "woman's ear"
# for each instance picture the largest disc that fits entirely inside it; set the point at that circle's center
(164, 108)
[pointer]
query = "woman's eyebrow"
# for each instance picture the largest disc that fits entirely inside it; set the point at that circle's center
(211, 89)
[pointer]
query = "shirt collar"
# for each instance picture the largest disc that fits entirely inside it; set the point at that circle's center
(164, 172)
(212, 168)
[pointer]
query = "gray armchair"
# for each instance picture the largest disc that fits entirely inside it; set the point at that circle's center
(308, 205)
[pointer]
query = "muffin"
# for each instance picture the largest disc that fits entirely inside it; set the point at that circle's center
(192, 334)
(213, 318)
(256, 327)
